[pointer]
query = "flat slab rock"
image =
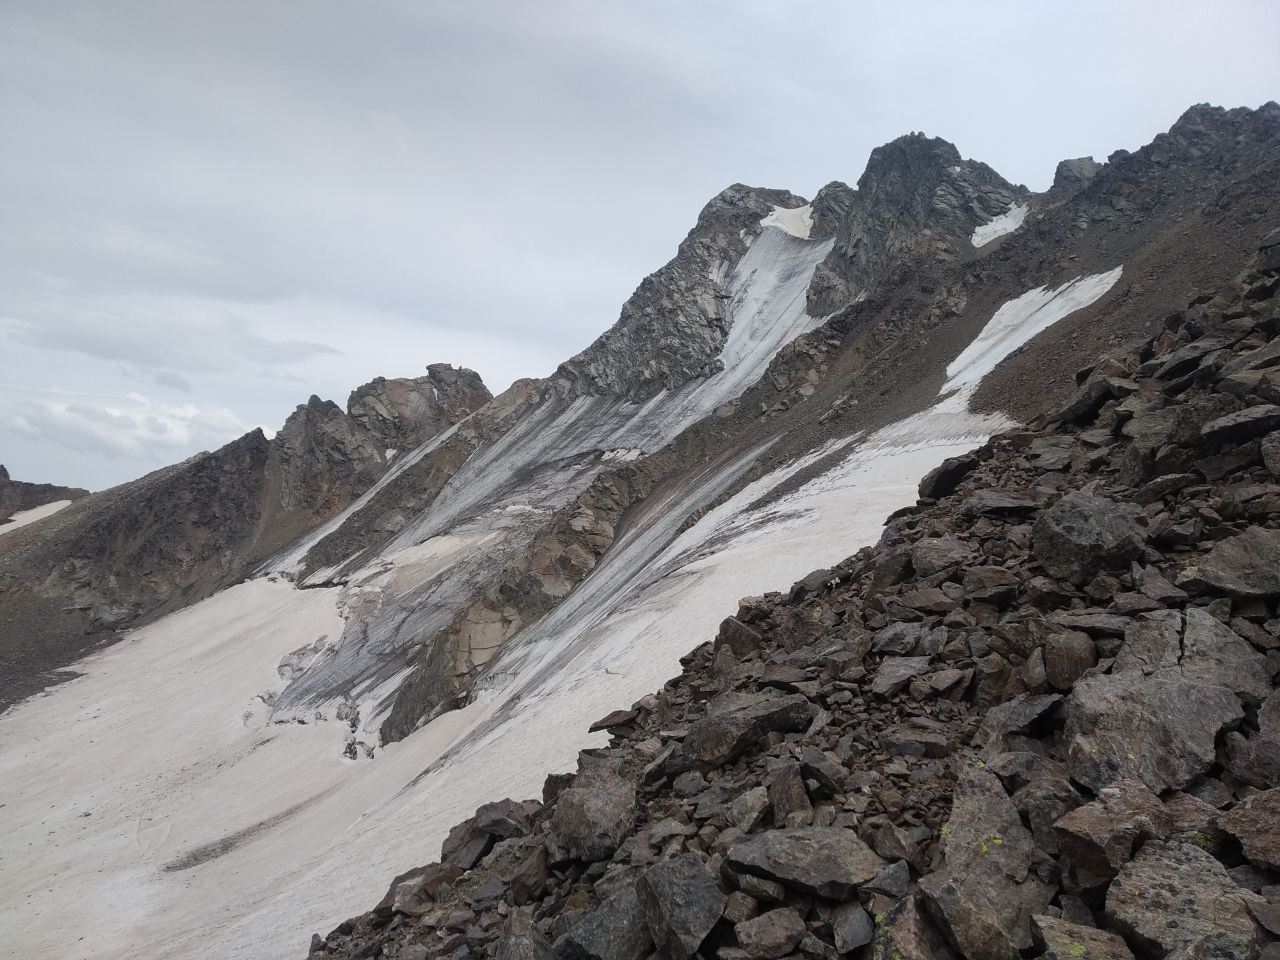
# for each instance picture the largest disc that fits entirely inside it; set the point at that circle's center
(1247, 565)
(829, 862)
(1174, 895)
(1160, 730)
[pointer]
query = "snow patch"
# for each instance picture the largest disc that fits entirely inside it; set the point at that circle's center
(1007, 222)
(1017, 322)
(797, 221)
(24, 517)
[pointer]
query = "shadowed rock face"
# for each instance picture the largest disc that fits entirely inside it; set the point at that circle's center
(127, 555)
(16, 495)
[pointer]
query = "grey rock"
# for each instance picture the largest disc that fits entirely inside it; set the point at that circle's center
(1213, 653)
(1160, 730)
(1243, 425)
(1255, 822)
(614, 930)
(1247, 565)
(1172, 895)
(829, 862)
(1083, 534)
(681, 903)
(1068, 654)
(1098, 838)
(770, 935)
(931, 555)
(908, 934)
(896, 672)
(1061, 940)
(716, 739)
(520, 940)
(943, 479)
(851, 928)
(592, 817)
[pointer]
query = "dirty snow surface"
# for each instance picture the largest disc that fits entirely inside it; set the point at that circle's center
(156, 795)
(797, 221)
(1007, 222)
(23, 517)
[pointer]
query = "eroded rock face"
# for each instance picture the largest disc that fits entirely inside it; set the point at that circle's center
(16, 495)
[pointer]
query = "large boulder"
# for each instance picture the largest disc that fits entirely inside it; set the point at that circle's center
(521, 940)
(1083, 533)
(681, 903)
(1255, 822)
(1173, 895)
(716, 739)
(770, 935)
(828, 862)
(1161, 730)
(1214, 653)
(593, 816)
(985, 895)
(1098, 838)
(1247, 565)
(614, 930)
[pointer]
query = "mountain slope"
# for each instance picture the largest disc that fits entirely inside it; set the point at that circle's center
(549, 557)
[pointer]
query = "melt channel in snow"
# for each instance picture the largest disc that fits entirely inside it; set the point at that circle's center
(211, 833)
(1007, 222)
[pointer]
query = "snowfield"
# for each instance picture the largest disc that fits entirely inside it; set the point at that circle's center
(24, 517)
(1007, 222)
(155, 795)
(797, 221)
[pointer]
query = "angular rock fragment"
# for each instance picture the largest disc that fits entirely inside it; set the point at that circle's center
(1061, 940)
(614, 930)
(1247, 565)
(1160, 730)
(594, 816)
(1098, 838)
(770, 935)
(1255, 822)
(1083, 533)
(681, 903)
(828, 862)
(716, 739)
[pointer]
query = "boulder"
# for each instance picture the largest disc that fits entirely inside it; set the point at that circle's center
(985, 894)
(716, 739)
(1255, 822)
(896, 672)
(520, 940)
(469, 841)
(1247, 565)
(851, 928)
(1160, 730)
(998, 505)
(1152, 642)
(828, 862)
(1083, 534)
(614, 930)
(681, 902)
(943, 479)
(770, 935)
(1098, 838)
(592, 817)
(1242, 426)
(1213, 653)
(907, 934)
(1061, 940)
(1068, 654)
(1172, 895)
(932, 555)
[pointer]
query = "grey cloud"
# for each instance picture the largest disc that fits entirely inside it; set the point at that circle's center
(232, 192)
(172, 380)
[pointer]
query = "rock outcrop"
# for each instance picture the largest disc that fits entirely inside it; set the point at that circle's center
(17, 495)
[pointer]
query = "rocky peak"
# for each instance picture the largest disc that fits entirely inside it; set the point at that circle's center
(1071, 176)
(402, 413)
(918, 200)
(674, 325)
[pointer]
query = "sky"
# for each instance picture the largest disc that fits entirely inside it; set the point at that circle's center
(213, 209)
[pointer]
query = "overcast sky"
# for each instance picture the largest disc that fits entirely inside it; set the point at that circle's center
(214, 208)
